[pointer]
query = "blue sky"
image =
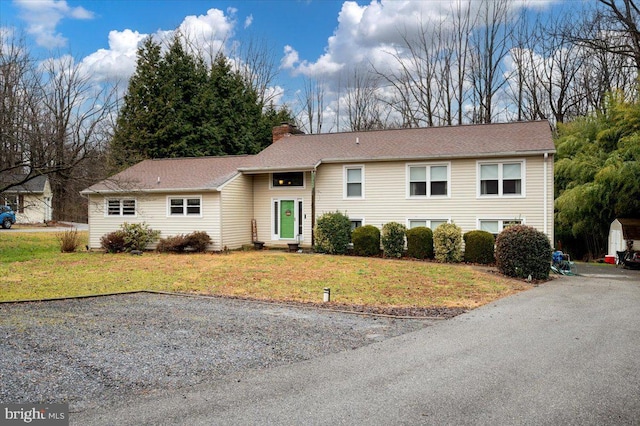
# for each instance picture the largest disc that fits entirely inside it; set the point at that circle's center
(310, 38)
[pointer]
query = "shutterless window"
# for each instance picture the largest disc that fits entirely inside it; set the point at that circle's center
(121, 207)
(184, 206)
(428, 181)
(489, 179)
(501, 179)
(438, 180)
(355, 223)
(288, 179)
(354, 182)
(433, 224)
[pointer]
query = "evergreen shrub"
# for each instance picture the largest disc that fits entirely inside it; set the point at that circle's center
(366, 241)
(420, 243)
(447, 243)
(479, 247)
(392, 239)
(137, 236)
(522, 251)
(332, 233)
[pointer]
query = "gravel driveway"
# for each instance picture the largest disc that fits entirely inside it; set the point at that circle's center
(101, 351)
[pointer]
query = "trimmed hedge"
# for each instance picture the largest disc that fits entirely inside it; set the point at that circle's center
(447, 243)
(420, 242)
(366, 241)
(522, 251)
(333, 233)
(479, 247)
(392, 239)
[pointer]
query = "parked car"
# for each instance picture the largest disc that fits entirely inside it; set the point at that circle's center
(7, 217)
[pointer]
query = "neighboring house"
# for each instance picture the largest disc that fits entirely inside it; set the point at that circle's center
(30, 200)
(621, 231)
(478, 176)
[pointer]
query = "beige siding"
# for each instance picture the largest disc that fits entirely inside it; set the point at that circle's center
(385, 195)
(264, 212)
(36, 207)
(152, 209)
(237, 212)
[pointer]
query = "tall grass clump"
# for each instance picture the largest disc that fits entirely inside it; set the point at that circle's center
(69, 240)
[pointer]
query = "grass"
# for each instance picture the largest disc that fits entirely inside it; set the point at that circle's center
(32, 267)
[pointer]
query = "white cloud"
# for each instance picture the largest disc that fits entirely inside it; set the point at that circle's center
(43, 16)
(117, 62)
(248, 21)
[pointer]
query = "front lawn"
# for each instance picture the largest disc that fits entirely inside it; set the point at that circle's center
(32, 267)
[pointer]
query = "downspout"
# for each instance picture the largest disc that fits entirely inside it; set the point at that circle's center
(546, 196)
(313, 206)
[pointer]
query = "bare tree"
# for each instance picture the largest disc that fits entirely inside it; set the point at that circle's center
(364, 110)
(311, 100)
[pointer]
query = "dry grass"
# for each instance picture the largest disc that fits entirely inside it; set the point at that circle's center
(261, 275)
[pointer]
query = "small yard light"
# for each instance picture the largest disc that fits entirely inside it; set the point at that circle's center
(327, 294)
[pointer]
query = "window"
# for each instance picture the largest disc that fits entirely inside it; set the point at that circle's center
(292, 179)
(428, 180)
(185, 206)
(501, 179)
(355, 223)
(428, 223)
(121, 207)
(495, 226)
(354, 178)
(16, 202)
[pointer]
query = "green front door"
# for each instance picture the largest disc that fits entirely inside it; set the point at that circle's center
(287, 219)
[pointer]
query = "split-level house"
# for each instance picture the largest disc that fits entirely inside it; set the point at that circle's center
(476, 176)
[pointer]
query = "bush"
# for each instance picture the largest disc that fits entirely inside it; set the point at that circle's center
(332, 233)
(522, 251)
(196, 241)
(113, 242)
(479, 247)
(392, 239)
(69, 240)
(447, 243)
(366, 241)
(137, 236)
(420, 242)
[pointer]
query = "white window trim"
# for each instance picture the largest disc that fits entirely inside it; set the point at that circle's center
(183, 197)
(356, 219)
(501, 163)
(120, 199)
(345, 168)
(501, 220)
(275, 236)
(287, 188)
(428, 167)
(410, 219)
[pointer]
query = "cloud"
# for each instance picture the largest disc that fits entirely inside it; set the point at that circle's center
(117, 62)
(248, 21)
(43, 16)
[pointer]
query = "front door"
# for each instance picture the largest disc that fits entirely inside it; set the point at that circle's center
(287, 219)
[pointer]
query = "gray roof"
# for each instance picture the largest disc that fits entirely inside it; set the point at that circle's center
(305, 152)
(34, 185)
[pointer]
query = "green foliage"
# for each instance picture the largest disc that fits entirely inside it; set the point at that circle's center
(479, 247)
(177, 105)
(332, 233)
(392, 239)
(420, 242)
(69, 240)
(137, 236)
(366, 241)
(447, 243)
(596, 175)
(113, 242)
(193, 242)
(522, 251)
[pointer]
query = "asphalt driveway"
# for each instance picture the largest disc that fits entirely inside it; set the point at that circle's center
(565, 353)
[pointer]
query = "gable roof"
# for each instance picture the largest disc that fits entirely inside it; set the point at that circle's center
(305, 152)
(630, 228)
(35, 185)
(193, 173)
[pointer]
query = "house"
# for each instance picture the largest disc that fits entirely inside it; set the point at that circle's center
(478, 176)
(30, 200)
(620, 232)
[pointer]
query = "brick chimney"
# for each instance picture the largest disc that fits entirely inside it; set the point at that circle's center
(284, 130)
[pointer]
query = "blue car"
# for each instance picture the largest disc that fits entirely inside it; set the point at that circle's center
(7, 217)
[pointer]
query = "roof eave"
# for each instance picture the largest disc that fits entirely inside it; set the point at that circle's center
(441, 156)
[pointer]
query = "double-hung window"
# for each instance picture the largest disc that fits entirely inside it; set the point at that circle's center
(495, 226)
(428, 223)
(428, 180)
(501, 179)
(121, 207)
(185, 206)
(354, 182)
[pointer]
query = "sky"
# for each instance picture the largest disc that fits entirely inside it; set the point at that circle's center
(309, 38)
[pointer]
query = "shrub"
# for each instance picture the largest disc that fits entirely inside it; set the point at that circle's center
(174, 243)
(479, 247)
(392, 239)
(332, 233)
(522, 251)
(447, 243)
(137, 236)
(69, 240)
(113, 242)
(420, 242)
(196, 241)
(366, 241)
